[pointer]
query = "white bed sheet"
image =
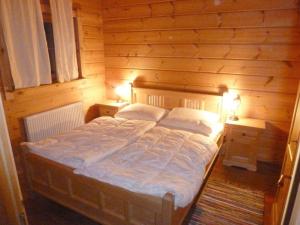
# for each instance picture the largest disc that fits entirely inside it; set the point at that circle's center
(90, 142)
(217, 130)
(162, 160)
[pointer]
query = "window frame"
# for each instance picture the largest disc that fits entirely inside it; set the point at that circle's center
(47, 19)
(6, 82)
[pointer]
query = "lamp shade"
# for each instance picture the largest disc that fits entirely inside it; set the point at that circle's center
(232, 104)
(123, 91)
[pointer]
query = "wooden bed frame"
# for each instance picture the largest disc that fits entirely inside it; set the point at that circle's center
(109, 204)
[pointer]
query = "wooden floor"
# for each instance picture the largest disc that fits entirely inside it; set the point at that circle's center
(44, 212)
(3, 219)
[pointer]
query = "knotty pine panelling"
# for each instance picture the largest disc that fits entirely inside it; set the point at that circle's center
(90, 90)
(249, 46)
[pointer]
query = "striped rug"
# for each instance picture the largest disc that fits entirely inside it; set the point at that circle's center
(226, 204)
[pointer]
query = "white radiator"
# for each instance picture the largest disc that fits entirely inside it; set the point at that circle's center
(53, 122)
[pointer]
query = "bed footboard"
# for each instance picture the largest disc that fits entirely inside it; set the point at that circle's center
(99, 201)
(102, 202)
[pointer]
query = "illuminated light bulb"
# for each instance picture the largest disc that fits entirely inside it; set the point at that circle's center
(123, 92)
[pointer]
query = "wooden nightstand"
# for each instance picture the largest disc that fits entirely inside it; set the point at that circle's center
(110, 107)
(242, 142)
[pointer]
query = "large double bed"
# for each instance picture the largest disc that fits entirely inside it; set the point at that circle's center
(128, 172)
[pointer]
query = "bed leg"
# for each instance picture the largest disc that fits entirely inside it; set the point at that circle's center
(167, 209)
(29, 191)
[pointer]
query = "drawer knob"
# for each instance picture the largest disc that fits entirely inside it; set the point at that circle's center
(244, 134)
(231, 140)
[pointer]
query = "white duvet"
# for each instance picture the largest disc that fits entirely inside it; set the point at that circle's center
(90, 142)
(161, 161)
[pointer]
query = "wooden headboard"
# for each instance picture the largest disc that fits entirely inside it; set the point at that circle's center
(170, 99)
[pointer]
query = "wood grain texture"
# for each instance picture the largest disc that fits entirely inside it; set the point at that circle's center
(90, 90)
(245, 19)
(249, 46)
(209, 51)
(192, 6)
(43, 211)
(245, 36)
(103, 202)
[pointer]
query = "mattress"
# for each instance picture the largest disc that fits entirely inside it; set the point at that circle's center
(162, 160)
(90, 142)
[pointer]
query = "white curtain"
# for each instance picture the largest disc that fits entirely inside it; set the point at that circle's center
(64, 39)
(25, 38)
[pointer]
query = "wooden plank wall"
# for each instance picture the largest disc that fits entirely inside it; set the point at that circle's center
(252, 46)
(90, 90)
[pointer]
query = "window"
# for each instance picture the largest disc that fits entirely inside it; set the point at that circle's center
(76, 33)
(51, 50)
(51, 45)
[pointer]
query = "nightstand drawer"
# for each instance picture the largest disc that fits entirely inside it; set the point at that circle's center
(242, 132)
(243, 136)
(238, 149)
(243, 140)
(107, 111)
(111, 107)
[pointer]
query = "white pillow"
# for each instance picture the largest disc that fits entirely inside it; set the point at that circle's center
(140, 111)
(194, 120)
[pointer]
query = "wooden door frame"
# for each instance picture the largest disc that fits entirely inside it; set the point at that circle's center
(293, 190)
(9, 189)
(295, 217)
